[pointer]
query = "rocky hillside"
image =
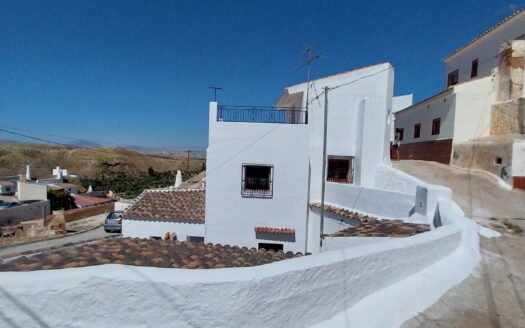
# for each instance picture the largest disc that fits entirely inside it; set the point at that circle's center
(87, 162)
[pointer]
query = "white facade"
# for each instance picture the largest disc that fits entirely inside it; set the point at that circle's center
(359, 117)
(148, 229)
(398, 103)
(485, 49)
(231, 218)
(31, 191)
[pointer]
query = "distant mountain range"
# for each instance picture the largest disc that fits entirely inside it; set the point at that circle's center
(90, 161)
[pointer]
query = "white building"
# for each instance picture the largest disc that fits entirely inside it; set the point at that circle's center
(160, 211)
(265, 165)
(478, 57)
(31, 191)
(7, 188)
(477, 122)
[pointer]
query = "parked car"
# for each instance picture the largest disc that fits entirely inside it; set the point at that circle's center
(114, 221)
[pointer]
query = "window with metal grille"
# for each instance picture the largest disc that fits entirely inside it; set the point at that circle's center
(257, 181)
(417, 130)
(436, 126)
(340, 169)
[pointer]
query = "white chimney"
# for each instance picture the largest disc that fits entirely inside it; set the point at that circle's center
(178, 179)
(90, 189)
(28, 172)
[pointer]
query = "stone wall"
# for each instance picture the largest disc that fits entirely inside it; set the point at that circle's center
(508, 117)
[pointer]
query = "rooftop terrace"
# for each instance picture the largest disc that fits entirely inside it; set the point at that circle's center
(260, 114)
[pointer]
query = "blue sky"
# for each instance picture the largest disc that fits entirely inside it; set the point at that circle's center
(138, 72)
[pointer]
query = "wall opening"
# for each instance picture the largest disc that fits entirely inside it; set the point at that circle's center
(498, 161)
(195, 239)
(269, 246)
(340, 169)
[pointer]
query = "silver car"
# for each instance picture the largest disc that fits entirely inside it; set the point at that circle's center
(113, 221)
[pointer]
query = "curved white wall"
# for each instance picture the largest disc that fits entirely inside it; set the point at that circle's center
(298, 292)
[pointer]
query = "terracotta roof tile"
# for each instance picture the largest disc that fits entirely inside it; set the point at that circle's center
(146, 252)
(373, 227)
(169, 205)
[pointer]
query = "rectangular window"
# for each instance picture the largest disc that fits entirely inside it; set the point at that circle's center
(436, 126)
(340, 169)
(195, 239)
(474, 68)
(453, 78)
(268, 246)
(417, 130)
(401, 131)
(257, 181)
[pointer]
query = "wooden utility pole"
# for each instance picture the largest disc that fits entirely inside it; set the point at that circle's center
(188, 164)
(323, 186)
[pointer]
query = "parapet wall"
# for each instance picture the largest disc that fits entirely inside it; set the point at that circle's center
(299, 292)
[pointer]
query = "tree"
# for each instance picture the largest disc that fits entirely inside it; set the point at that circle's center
(151, 171)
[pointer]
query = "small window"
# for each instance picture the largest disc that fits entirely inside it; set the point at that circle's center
(498, 160)
(257, 181)
(195, 239)
(474, 68)
(436, 126)
(417, 130)
(453, 78)
(340, 169)
(268, 246)
(155, 237)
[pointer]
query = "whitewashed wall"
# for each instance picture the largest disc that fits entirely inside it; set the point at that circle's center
(230, 218)
(147, 229)
(518, 158)
(281, 294)
(440, 106)
(31, 191)
(358, 121)
(398, 103)
(473, 108)
(486, 49)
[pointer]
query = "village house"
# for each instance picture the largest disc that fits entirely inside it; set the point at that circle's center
(7, 188)
(265, 164)
(156, 212)
(477, 121)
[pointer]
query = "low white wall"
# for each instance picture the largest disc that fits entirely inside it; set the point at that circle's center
(31, 191)
(17, 214)
(122, 206)
(147, 229)
(518, 158)
(376, 202)
(332, 243)
(299, 292)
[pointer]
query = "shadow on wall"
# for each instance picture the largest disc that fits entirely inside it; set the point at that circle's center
(276, 237)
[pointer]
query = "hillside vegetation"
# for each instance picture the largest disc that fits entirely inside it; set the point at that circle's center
(87, 162)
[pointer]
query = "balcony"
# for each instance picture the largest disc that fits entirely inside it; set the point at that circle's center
(257, 114)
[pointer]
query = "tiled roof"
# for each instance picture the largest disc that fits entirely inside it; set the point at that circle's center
(84, 201)
(169, 205)
(514, 14)
(275, 230)
(145, 252)
(373, 227)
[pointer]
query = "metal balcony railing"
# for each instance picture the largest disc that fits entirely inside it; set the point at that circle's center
(257, 114)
